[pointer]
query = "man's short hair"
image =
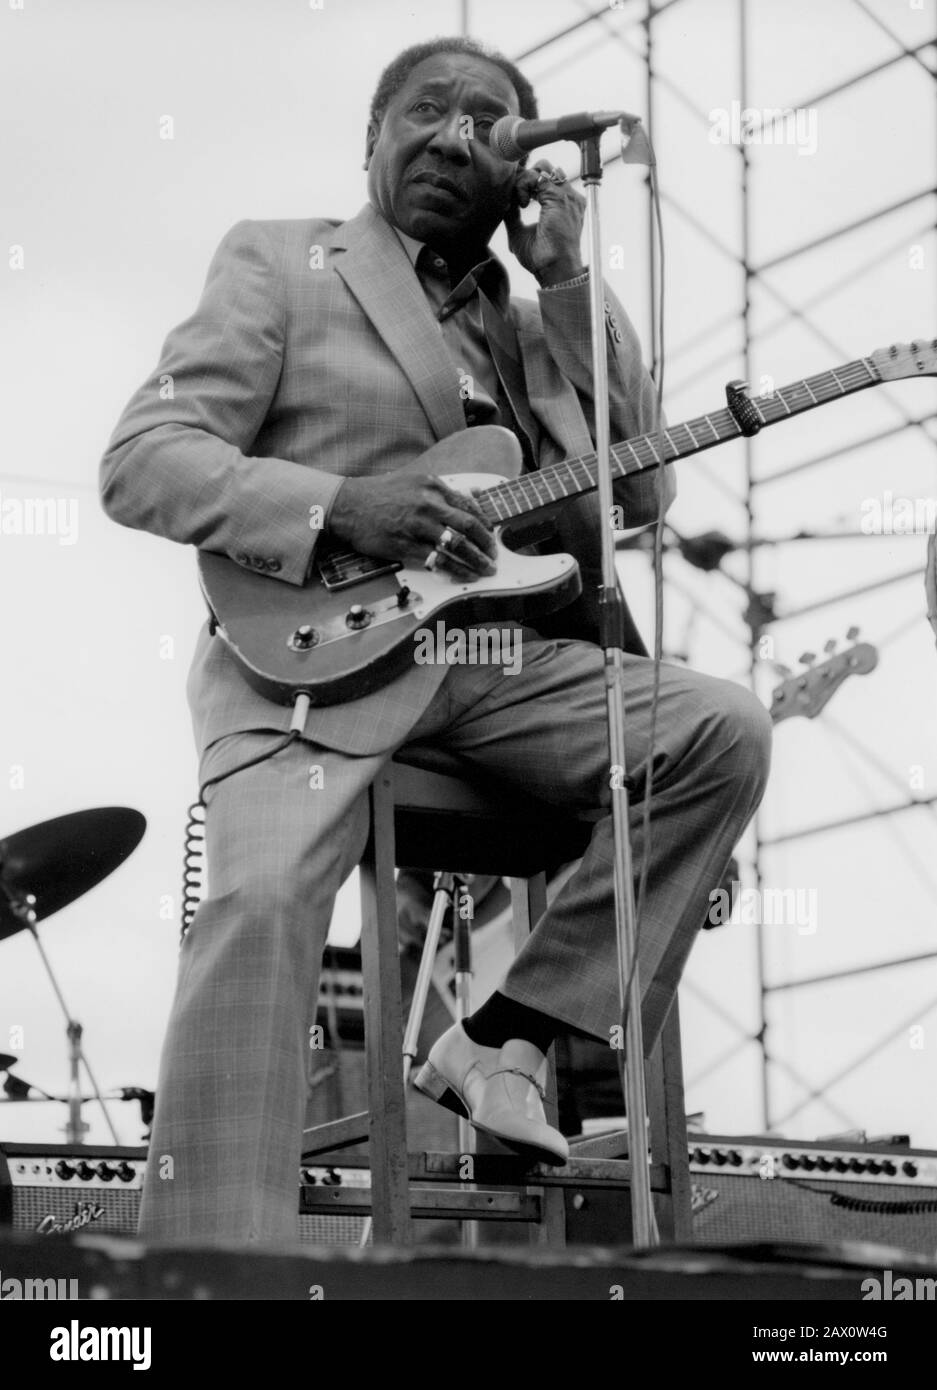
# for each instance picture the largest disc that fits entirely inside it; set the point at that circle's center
(396, 73)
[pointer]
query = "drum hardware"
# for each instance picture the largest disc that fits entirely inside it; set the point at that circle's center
(42, 870)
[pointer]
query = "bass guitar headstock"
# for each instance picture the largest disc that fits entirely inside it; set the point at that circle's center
(809, 690)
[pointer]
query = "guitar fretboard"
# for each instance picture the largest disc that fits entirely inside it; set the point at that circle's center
(559, 481)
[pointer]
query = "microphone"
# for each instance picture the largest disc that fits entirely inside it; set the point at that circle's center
(511, 137)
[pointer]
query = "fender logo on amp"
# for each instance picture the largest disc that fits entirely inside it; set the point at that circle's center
(85, 1214)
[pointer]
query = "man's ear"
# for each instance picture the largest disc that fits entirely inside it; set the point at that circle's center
(370, 141)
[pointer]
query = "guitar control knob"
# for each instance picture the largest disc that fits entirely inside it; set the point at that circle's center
(357, 616)
(403, 596)
(303, 638)
(64, 1170)
(104, 1171)
(125, 1172)
(84, 1171)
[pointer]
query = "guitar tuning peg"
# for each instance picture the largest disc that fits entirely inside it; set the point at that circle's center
(830, 646)
(852, 634)
(808, 658)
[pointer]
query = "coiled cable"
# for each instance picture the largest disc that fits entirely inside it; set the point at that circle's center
(193, 860)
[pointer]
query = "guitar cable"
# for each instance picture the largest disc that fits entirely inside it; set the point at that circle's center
(193, 858)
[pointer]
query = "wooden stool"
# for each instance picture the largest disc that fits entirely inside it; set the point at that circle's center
(429, 810)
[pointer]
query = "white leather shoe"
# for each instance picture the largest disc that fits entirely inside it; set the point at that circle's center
(500, 1090)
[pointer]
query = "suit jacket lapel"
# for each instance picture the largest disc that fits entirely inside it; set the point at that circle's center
(376, 269)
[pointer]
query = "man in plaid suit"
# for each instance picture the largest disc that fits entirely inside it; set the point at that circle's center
(323, 357)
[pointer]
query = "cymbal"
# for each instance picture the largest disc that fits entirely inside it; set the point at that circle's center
(59, 860)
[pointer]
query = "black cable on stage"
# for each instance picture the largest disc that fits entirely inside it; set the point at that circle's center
(864, 1204)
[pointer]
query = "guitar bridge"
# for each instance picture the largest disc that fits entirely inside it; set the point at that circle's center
(339, 569)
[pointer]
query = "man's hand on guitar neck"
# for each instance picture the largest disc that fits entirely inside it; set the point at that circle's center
(406, 517)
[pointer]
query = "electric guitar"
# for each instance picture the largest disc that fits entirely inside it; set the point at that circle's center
(353, 625)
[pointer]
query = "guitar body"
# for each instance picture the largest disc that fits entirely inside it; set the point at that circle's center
(291, 639)
(352, 626)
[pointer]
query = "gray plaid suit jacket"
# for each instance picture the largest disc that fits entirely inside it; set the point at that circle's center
(313, 356)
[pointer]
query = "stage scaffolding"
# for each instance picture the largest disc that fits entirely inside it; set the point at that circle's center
(904, 65)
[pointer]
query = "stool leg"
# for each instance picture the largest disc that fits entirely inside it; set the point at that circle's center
(528, 904)
(666, 1106)
(380, 969)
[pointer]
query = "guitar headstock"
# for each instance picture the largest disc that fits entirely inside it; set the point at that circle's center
(810, 689)
(906, 359)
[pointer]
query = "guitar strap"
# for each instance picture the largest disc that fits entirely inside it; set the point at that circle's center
(502, 342)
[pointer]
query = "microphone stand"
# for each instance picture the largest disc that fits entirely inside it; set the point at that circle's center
(611, 620)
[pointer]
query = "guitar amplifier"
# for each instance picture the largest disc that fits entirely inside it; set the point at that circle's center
(55, 1189)
(773, 1189)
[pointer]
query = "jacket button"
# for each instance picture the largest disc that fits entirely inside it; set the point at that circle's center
(274, 566)
(617, 335)
(242, 559)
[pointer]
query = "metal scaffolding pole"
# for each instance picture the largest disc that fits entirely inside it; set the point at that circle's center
(762, 615)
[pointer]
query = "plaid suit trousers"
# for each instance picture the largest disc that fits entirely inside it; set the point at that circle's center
(282, 835)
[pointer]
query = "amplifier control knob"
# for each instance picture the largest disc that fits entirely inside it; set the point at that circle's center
(125, 1172)
(909, 1169)
(735, 1158)
(64, 1170)
(790, 1161)
(700, 1156)
(840, 1165)
(808, 1161)
(84, 1171)
(719, 1157)
(874, 1165)
(889, 1168)
(824, 1163)
(104, 1171)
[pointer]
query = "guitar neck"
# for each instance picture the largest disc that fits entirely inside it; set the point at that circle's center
(548, 486)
